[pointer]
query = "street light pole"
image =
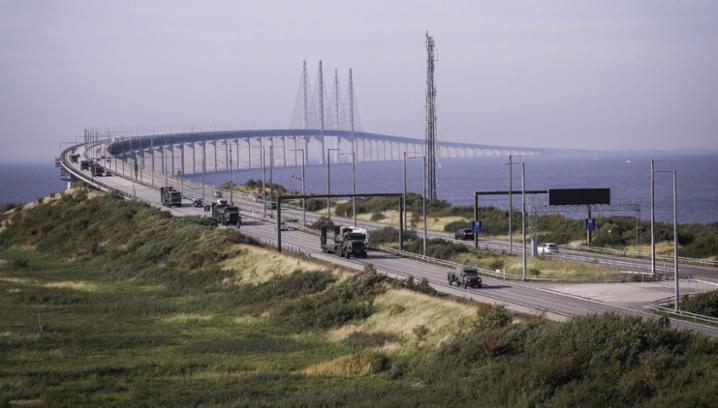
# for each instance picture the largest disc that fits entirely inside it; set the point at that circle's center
(403, 197)
(264, 188)
(511, 205)
(231, 177)
(653, 218)
(304, 209)
(271, 175)
(675, 242)
(354, 185)
(523, 219)
(423, 199)
(423, 205)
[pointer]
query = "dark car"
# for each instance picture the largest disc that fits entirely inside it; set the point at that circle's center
(464, 234)
(197, 203)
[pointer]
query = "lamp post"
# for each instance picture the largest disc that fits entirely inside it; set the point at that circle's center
(231, 176)
(676, 275)
(403, 196)
(304, 207)
(354, 185)
(423, 198)
(329, 181)
(523, 220)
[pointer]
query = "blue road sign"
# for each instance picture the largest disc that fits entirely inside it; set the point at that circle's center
(591, 224)
(476, 226)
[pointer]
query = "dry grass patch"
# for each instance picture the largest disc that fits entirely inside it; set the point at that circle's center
(364, 363)
(188, 318)
(83, 286)
(256, 265)
(412, 318)
(76, 285)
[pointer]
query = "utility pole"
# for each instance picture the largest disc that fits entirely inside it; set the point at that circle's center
(430, 151)
(354, 186)
(675, 243)
(403, 196)
(511, 205)
(231, 177)
(264, 188)
(271, 173)
(423, 209)
(653, 218)
(523, 219)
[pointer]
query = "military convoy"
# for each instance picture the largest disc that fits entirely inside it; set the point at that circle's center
(466, 276)
(170, 197)
(345, 241)
(226, 214)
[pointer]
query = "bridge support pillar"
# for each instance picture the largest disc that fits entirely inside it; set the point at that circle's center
(236, 141)
(182, 170)
(162, 159)
(204, 160)
(215, 155)
(284, 151)
(172, 158)
(194, 159)
(249, 152)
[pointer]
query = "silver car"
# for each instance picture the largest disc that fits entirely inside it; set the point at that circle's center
(548, 248)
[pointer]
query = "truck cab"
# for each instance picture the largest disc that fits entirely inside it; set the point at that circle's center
(345, 241)
(225, 213)
(170, 197)
(466, 276)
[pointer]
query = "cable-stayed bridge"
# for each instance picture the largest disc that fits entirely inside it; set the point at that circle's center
(325, 122)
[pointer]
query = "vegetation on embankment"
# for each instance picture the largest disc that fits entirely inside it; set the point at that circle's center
(701, 303)
(501, 261)
(695, 240)
(110, 302)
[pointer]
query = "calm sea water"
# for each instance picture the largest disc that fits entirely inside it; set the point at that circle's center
(627, 174)
(25, 182)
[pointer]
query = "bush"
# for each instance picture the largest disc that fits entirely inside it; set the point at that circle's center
(702, 303)
(321, 223)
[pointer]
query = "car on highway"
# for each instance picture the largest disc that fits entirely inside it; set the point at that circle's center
(197, 203)
(283, 226)
(464, 234)
(217, 194)
(547, 248)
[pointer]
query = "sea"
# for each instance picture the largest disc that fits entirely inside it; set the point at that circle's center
(627, 174)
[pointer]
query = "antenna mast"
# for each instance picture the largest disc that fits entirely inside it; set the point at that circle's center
(430, 150)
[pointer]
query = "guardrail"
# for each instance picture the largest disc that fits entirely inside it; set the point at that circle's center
(501, 274)
(642, 255)
(681, 314)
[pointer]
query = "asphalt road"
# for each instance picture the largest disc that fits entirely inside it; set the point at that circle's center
(523, 297)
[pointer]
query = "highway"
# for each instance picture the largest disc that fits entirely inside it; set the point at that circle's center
(527, 297)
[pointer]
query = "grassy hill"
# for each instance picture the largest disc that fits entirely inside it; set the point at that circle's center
(107, 302)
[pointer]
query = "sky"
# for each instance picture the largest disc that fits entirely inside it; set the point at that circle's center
(603, 74)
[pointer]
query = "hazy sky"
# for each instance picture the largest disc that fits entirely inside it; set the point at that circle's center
(602, 74)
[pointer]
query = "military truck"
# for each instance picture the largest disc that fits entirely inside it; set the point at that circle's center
(345, 241)
(170, 197)
(466, 276)
(85, 164)
(225, 213)
(96, 170)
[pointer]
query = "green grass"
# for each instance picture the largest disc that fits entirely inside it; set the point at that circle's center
(106, 302)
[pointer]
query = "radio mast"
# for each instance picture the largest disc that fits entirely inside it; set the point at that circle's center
(430, 150)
